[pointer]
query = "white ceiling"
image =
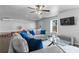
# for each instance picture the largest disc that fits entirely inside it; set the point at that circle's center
(22, 12)
(63, 8)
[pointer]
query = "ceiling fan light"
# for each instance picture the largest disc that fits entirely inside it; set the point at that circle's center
(41, 7)
(39, 12)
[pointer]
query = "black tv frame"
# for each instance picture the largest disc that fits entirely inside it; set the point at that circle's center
(67, 21)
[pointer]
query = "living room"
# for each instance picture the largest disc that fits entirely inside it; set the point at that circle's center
(33, 16)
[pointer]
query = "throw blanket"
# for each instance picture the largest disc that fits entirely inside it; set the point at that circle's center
(18, 45)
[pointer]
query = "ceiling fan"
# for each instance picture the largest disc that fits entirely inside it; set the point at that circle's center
(39, 9)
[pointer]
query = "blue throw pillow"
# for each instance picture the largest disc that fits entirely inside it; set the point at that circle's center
(35, 44)
(32, 32)
(43, 32)
(25, 35)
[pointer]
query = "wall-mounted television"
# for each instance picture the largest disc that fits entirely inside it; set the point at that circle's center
(67, 21)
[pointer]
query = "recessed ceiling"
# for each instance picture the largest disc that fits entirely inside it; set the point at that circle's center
(22, 12)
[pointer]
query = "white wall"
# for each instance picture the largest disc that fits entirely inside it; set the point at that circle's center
(70, 30)
(45, 23)
(10, 25)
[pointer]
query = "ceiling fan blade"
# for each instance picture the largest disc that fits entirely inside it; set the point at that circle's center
(31, 8)
(37, 6)
(46, 10)
(32, 11)
(40, 6)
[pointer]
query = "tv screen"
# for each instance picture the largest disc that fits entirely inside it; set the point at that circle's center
(67, 21)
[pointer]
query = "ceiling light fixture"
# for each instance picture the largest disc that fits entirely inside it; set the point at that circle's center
(39, 10)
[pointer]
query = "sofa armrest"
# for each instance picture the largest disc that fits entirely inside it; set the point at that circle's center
(67, 38)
